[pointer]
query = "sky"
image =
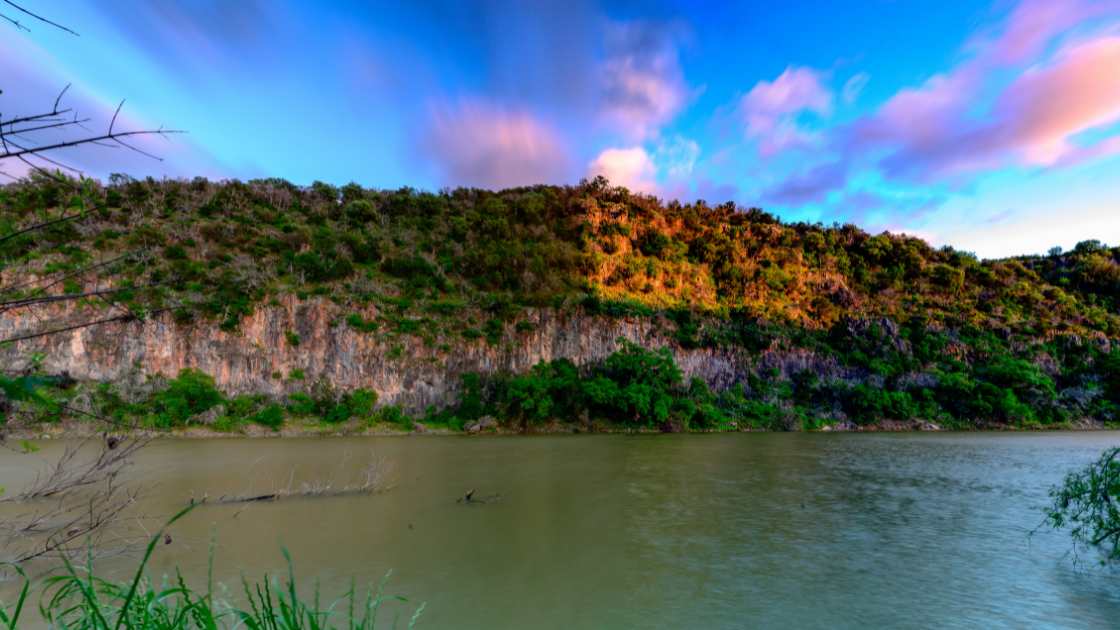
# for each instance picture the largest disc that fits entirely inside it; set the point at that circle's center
(993, 127)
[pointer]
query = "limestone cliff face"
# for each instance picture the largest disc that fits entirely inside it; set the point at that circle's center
(402, 370)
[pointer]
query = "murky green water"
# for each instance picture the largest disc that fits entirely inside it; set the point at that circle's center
(693, 531)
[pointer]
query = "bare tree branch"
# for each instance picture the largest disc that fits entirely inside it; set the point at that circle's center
(34, 117)
(15, 23)
(65, 123)
(73, 143)
(56, 331)
(51, 282)
(65, 297)
(37, 17)
(39, 226)
(70, 472)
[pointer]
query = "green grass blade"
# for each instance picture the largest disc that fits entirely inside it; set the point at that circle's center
(10, 622)
(144, 561)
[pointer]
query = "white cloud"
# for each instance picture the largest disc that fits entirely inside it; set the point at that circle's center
(631, 167)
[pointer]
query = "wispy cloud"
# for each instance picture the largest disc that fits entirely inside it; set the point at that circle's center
(809, 186)
(853, 87)
(771, 111)
(677, 156)
(643, 86)
(192, 36)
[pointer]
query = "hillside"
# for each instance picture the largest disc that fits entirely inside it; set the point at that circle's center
(532, 305)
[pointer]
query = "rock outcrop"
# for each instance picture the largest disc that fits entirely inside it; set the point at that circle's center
(259, 357)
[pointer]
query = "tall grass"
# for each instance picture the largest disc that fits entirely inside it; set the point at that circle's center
(76, 598)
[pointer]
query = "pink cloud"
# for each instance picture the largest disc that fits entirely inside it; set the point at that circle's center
(1047, 105)
(976, 116)
(475, 144)
(771, 109)
(1033, 23)
(923, 114)
(934, 130)
(643, 86)
(630, 167)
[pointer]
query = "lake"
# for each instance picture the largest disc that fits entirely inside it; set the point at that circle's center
(803, 530)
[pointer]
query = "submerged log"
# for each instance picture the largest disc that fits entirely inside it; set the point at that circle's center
(469, 498)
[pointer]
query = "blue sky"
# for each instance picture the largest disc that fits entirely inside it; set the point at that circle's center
(993, 127)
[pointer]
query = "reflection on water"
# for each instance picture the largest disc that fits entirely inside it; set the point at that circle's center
(713, 531)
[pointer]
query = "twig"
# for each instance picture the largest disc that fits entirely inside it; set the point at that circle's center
(40, 226)
(37, 17)
(74, 143)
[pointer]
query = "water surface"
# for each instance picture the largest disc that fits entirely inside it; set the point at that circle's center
(712, 531)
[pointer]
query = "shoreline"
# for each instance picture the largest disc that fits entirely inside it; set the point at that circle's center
(88, 430)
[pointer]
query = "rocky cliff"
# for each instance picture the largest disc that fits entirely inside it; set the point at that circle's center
(260, 356)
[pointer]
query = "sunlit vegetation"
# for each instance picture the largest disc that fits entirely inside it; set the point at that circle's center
(895, 328)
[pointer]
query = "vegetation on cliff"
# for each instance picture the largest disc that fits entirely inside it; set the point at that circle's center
(909, 331)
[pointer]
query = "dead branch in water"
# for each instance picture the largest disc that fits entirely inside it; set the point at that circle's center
(376, 478)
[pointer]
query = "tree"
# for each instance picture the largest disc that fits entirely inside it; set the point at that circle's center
(78, 496)
(1088, 503)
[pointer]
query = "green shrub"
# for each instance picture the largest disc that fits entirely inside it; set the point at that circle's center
(357, 322)
(393, 414)
(866, 404)
(271, 416)
(320, 266)
(494, 329)
(470, 400)
(322, 402)
(528, 398)
(302, 404)
(755, 414)
(361, 402)
(189, 394)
